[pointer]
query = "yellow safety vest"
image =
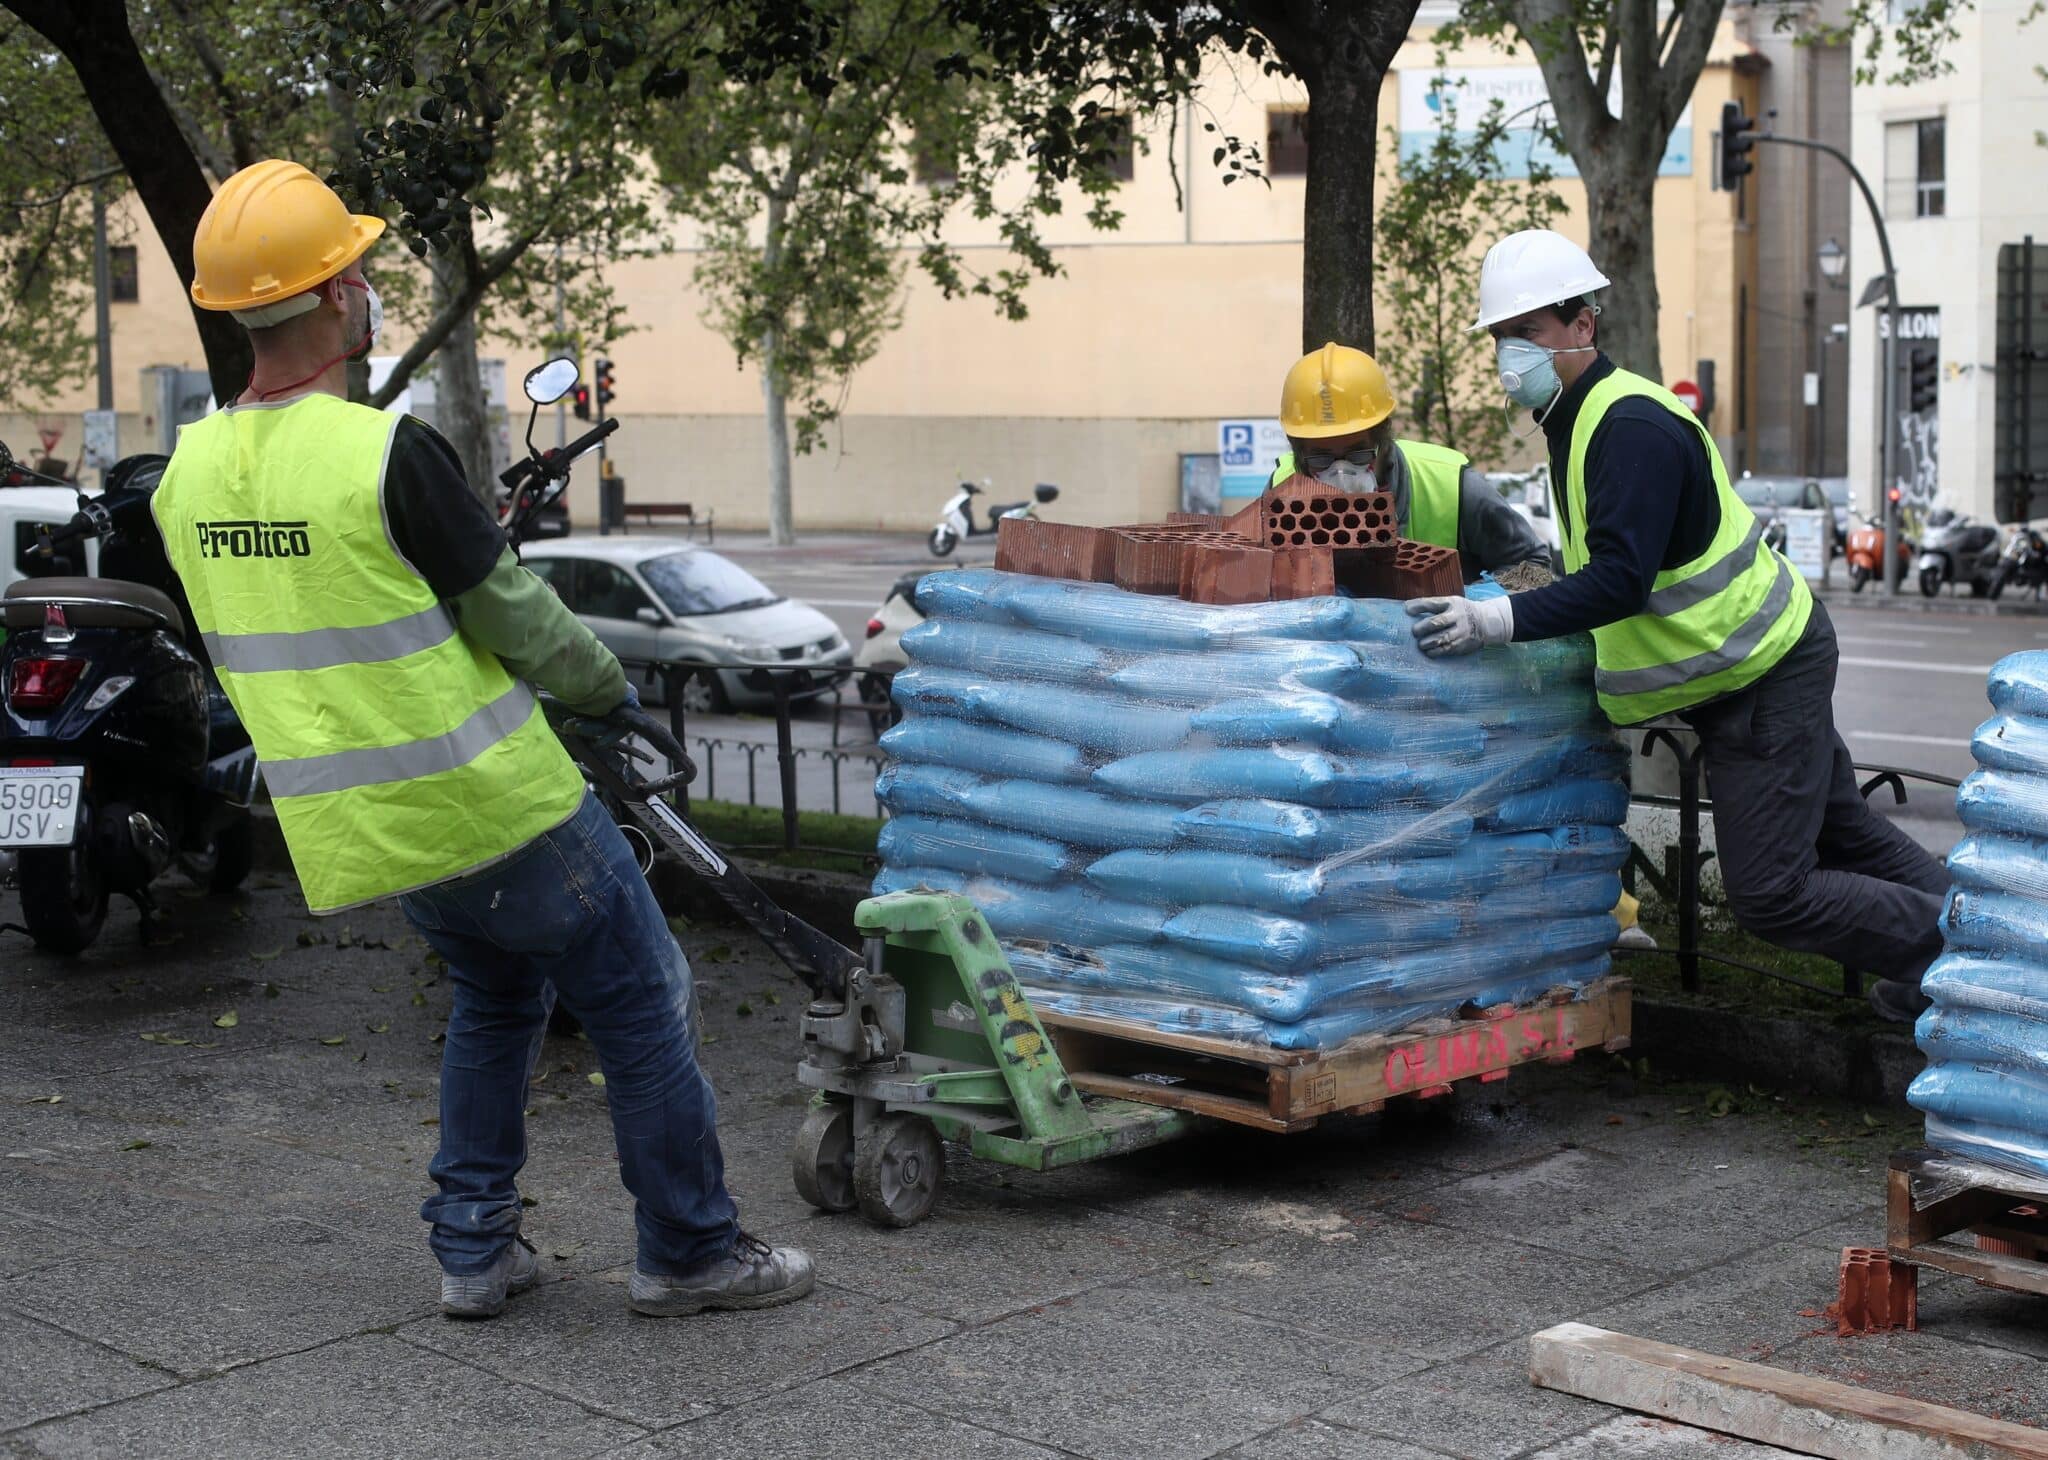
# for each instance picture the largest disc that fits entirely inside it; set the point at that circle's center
(1433, 474)
(398, 753)
(1713, 625)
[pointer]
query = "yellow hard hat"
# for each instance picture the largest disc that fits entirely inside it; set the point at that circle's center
(272, 231)
(1334, 392)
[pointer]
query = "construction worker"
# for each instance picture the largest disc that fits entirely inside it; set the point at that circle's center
(377, 638)
(1337, 409)
(1693, 614)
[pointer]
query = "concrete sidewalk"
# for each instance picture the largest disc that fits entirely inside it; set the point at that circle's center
(209, 1247)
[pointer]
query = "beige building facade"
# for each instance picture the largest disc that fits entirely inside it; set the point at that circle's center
(1185, 316)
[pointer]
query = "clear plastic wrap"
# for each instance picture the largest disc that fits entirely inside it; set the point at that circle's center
(1277, 822)
(1985, 1089)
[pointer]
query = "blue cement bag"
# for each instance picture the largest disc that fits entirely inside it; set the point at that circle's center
(1987, 862)
(1284, 829)
(1136, 623)
(994, 649)
(2018, 684)
(1064, 813)
(1255, 668)
(1283, 944)
(1995, 922)
(2012, 743)
(994, 750)
(2009, 801)
(1999, 1145)
(1978, 1036)
(960, 846)
(1312, 718)
(1593, 802)
(2006, 984)
(1280, 773)
(1105, 724)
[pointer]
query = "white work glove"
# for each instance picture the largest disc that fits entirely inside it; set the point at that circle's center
(1461, 625)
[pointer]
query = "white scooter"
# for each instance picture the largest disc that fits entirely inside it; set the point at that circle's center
(956, 520)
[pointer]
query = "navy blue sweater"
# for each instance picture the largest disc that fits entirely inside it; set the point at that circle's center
(1650, 505)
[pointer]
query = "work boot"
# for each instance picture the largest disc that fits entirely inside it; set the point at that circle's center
(483, 1294)
(1896, 1000)
(751, 1274)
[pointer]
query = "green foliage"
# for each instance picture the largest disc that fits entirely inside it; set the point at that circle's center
(53, 150)
(1448, 202)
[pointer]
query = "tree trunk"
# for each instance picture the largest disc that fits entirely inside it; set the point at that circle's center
(1623, 243)
(1341, 51)
(775, 398)
(460, 411)
(94, 37)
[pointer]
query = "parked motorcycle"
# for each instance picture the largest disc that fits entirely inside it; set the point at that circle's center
(119, 755)
(1956, 549)
(1865, 552)
(956, 519)
(2023, 563)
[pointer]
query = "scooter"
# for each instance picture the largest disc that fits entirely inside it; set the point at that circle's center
(1865, 552)
(956, 519)
(2023, 563)
(1955, 549)
(119, 755)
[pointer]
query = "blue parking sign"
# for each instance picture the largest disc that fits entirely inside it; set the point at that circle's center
(1238, 438)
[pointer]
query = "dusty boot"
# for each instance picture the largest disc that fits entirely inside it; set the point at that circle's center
(483, 1294)
(750, 1275)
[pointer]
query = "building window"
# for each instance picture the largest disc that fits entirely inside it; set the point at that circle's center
(1916, 169)
(1123, 149)
(1286, 141)
(121, 270)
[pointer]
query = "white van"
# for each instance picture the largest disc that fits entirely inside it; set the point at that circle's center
(22, 511)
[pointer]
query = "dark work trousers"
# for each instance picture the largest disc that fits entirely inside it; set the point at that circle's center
(1806, 863)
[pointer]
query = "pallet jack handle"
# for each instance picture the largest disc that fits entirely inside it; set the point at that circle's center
(603, 746)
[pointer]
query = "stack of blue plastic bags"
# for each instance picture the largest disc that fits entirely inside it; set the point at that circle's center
(1985, 1089)
(1277, 822)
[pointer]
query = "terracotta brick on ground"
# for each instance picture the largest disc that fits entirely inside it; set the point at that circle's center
(1877, 1292)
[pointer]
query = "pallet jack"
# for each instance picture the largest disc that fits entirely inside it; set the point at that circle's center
(920, 1037)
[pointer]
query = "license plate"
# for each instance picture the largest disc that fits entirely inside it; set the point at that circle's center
(39, 804)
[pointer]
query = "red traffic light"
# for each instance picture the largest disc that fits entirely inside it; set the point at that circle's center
(580, 402)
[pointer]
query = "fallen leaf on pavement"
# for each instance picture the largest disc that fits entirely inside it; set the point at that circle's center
(266, 957)
(228, 1020)
(46, 1100)
(335, 1039)
(136, 1146)
(596, 1077)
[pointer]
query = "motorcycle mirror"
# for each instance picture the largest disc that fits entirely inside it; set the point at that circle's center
(1045, 491)
(549, 381)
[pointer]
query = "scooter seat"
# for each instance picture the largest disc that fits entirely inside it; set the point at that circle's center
(90, 603)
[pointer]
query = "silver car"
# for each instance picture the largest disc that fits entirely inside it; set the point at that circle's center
(657, 602)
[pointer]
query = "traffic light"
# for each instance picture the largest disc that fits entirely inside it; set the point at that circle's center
(1738, 136)
(604, 388)
(580, 399)
(1923, 371)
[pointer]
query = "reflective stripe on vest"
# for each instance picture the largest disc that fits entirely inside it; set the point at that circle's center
(1434, 473)
(1711, 626)
(398, 753)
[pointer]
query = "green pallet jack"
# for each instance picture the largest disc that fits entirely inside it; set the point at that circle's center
(921, 1037)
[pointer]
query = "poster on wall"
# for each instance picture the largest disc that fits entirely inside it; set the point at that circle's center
(1916, 396)
(1245, 453)
(1525, 105)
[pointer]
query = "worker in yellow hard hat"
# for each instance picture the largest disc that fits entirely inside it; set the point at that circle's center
(380, 654)
(1337, 410)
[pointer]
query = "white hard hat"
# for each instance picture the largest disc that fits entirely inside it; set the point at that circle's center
(1529, 270)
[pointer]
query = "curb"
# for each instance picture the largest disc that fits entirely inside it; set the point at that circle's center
(1943, 603)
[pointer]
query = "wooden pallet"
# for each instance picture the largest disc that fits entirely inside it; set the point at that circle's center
(1286, 1090)
(2012, 1222)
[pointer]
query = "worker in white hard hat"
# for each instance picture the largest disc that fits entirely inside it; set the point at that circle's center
(1692, 613)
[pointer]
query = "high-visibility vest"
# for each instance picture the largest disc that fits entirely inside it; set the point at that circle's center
(398, 753)
(1433, 475)
(1713, 625)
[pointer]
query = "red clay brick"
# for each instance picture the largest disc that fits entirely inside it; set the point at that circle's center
(1056, 550)
(1410, 570)
(1149, 559)
(1222, 573)
(1303, 573)
(1213, 521)
(1305, 514)
(1876, 1292)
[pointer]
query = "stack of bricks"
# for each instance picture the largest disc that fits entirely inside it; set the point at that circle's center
(1290, 543)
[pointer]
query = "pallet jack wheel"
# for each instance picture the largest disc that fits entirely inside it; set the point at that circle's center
(897, 1165)
(822, 1162)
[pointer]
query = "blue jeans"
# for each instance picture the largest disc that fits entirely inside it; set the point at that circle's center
(570, 909)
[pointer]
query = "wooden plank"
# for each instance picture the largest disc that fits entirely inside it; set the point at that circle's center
(1181, 1097)
(1918, 1235)
(2000, 1269)
(1770, 1406)
(1188, 1041)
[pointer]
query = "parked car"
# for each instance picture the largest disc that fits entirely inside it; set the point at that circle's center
(1768, 496)
(657, 602)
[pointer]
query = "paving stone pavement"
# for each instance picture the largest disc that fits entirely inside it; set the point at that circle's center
(210, 1246)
